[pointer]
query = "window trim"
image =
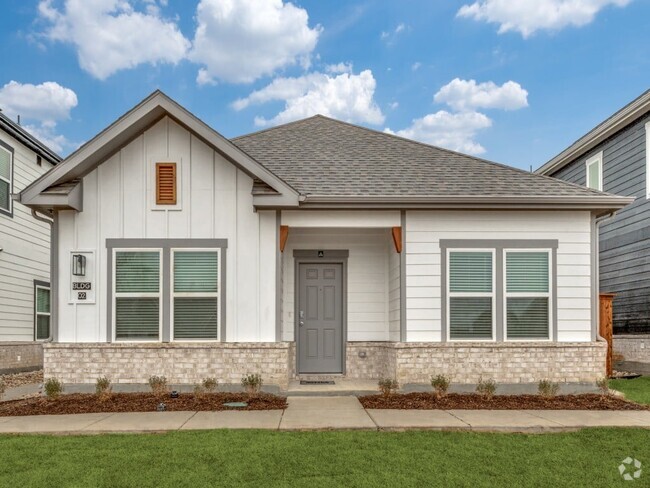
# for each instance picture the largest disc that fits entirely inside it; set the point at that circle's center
(115, 294)
(492, 295)
(9, 212)
(647, 159)
(173, 294)
(44, 286)
(595, 159)
(548, 294)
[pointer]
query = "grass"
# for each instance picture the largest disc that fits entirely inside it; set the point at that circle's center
(363, 458)
(637, 390)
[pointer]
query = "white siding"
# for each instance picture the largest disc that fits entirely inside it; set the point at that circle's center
(215, 202)
(425, 229)
(368, 278)
(394, 283)
(25, 254)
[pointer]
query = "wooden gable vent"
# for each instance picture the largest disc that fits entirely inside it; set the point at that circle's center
(165, 183)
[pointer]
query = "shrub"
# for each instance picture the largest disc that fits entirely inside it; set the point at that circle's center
(547, 388)
(440, 384)
(252, 383)
(103, 388)
(603, 384)
(199, 391)
(158, 385)
(53, 388)
(3, 388)
(486, 388)
(210, 384)
(388, 386)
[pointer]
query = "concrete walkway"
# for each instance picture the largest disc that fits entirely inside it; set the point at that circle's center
(327, 413)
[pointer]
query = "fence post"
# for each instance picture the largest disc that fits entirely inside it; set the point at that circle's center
(606, 326)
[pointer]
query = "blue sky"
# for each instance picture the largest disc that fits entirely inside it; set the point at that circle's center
(511, 81)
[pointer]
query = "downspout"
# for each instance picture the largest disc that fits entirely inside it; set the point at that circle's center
(50, 219)
(596, 266)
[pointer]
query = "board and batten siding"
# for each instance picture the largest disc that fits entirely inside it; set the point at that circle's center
(215, 202)
(625, 239)
(25, 254)
(370, 309)
(425, 229)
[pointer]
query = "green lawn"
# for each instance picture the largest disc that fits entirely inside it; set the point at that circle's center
(265, 459)
(637, 390)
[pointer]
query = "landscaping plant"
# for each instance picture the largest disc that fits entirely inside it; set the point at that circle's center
(103, 387)
(53, 388)
(158, 385)
(440, 385)
(603, 384)
(547, 388)
(486, 388)
(252, 383)
(388, 386)
(210, 385)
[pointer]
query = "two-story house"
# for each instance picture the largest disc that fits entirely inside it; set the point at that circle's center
(24, 251)
(614, 157)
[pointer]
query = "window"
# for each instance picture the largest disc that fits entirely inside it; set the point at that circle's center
(42, 312)
(595, 172)
(137, 294)
(165, 183)
(647, 159)
(195, 294)
(6, 178)
(527, 295)
(471, 295)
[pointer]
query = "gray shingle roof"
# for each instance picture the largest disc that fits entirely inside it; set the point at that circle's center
(323, 156)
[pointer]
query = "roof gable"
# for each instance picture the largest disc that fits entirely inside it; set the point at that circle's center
(28, 140)
(130, 125)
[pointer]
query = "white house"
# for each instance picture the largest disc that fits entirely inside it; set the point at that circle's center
(24, 252)
(313, 248)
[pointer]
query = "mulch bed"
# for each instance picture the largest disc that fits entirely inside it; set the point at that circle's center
(137, 402)
(456, 401)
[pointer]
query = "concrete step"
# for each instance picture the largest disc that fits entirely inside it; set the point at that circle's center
(341, 387)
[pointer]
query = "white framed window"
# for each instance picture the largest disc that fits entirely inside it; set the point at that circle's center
(527, 294)
(595, 171)
(647, 159)
(42, 330)
(196, 294)
(137, 294)
(471, 295)
(6, 179)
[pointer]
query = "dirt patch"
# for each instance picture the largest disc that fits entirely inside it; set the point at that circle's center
(427, 401)
(19, 379)
(136, 402)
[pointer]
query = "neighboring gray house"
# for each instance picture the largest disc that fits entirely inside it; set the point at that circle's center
(24, 251)
(614, 157)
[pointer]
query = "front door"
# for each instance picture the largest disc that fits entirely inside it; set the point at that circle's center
(320, 318)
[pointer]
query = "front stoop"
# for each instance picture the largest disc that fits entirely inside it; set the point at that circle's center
(342, 386)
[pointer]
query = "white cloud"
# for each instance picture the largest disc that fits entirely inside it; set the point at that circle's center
(241, 40)
(468, 95)
(389, 37)
(339, 68)
(41, 106)
(346, 96)
(393, 105)
(110, 35)
(454, 131)
(416, 66)
(530, 16)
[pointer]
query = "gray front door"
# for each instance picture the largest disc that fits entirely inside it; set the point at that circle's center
(320, 318)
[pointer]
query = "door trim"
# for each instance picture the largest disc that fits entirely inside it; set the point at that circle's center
(332, 256)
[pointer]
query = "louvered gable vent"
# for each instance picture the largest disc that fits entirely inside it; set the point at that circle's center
(165, 183)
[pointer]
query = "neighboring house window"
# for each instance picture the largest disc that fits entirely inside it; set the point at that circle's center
(6, 178)
(595, 172)
(165, 183)
(42, 312)
(647, 159)
(137, 294)
(195, 294)
(527, 295)
(471, 297)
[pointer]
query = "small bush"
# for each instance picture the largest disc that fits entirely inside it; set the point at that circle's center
(210, 384)
(199, 391)
(440, 384)
(53, 388)
(603, 384)
(158, 385)
(388, 386)
(486, 388)
(3, 388)
(103, 387)
(252, 383)
(547, 388)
